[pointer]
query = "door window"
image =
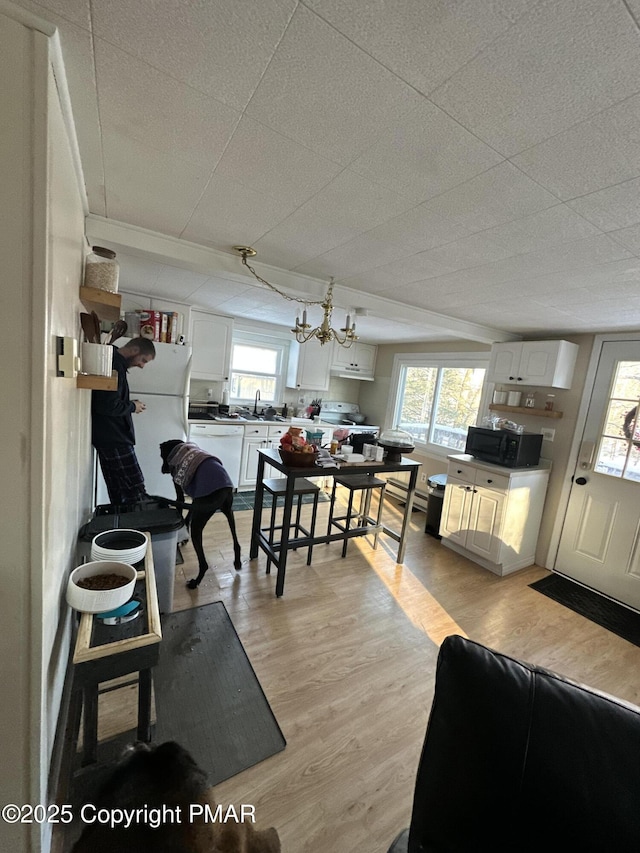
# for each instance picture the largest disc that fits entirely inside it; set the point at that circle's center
(619, 444)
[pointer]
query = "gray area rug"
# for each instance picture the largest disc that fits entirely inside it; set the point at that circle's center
(208, 697)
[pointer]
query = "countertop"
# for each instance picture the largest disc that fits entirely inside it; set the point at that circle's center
(303, 422)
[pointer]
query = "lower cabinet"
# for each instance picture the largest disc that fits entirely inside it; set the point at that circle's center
(258, 437)
(491, 514)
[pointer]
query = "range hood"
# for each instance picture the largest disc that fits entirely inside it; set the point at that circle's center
(344, 373)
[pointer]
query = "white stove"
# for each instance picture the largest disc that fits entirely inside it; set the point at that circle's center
(338, 412)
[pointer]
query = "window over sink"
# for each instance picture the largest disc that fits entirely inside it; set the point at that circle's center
(257, 364)
(438, 396)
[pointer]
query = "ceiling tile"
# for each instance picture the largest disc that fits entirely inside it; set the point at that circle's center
(326, 94)
(272, 164)
(598, 152)
(221, 48)
(548, 227)
(556, 66)
(492, 198)
(413, 231)
(142, 103)
(230, 214)
(424, 154)
(76, 11)
(628, 237)
(137, 275)
(422, 41)
(347, 206)
(612, 208)
(152, 192)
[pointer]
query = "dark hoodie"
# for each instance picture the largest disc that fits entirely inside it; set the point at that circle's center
(111, 411)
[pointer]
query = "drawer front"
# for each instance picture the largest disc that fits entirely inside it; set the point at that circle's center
(256, 431)
(492, 481)
(461, 471)
(276, 432)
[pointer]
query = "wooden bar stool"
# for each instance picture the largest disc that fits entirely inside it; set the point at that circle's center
(277, 487)
(363, 483)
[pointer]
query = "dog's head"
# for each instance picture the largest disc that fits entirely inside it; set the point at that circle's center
(166, 448)
(162, 777)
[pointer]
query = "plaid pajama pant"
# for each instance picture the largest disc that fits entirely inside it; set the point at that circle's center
(122, 474)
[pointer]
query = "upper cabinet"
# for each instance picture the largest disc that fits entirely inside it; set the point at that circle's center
(543, 363)
(356, 362)
(210, 337)
(309, 366)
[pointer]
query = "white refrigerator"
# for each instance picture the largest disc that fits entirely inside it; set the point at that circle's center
(163, 386)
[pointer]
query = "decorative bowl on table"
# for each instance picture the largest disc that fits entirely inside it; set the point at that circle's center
(298, 458)
(100, 586)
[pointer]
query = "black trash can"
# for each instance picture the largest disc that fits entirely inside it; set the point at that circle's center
(436, 484)
(163, 523)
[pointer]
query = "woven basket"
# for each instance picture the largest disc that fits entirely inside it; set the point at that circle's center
(298, 460)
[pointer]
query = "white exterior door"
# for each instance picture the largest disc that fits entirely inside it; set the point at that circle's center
(600, 541)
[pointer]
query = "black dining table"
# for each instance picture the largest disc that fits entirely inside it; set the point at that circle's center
(277, 551)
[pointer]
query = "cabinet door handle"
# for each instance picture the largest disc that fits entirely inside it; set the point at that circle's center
(459, 471)
(512, 377)
(489, 481)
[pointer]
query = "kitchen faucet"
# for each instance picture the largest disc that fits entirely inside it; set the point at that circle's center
(255, 404)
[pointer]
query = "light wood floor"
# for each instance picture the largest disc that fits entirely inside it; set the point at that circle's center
(347, 658)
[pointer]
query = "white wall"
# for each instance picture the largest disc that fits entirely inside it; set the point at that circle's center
(44, 420)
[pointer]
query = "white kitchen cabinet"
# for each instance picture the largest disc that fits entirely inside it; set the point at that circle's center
(492, 514)
(309, 365)
(356, 362)
(547, 364)
(210, 336)
(258, 437)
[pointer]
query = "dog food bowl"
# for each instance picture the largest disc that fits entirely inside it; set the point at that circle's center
(124, 546)
(100, 600)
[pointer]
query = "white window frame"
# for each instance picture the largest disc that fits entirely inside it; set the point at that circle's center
(248, 338)
(438, 360)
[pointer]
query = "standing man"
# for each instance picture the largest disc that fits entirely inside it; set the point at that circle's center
(112, 432)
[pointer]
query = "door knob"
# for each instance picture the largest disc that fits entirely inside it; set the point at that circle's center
(580, 481)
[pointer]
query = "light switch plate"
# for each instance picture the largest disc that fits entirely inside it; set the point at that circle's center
(548, 434)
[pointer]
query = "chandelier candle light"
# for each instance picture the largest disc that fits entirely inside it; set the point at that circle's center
(325, 333)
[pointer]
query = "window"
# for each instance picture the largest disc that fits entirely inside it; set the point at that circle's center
(618, 453)
(438, 397)
(256, 365)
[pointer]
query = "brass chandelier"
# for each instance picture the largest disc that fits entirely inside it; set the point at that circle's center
(303, 331)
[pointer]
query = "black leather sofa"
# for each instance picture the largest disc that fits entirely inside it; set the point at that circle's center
(517, 758)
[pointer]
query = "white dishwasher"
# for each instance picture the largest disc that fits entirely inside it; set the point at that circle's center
(223, 441)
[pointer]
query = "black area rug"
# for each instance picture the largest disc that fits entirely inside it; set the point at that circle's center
(208, 697)
(614, 617)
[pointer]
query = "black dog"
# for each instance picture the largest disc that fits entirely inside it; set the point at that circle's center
(201, 509)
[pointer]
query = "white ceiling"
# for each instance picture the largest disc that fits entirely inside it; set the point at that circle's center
(462, 167)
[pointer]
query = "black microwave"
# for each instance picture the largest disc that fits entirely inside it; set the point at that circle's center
(502, 447)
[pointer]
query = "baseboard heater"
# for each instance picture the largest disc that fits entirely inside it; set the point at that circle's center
(397, 489)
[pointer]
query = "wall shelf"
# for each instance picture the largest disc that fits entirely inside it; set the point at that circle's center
(97, 383)
(105, 303)
(524, 410)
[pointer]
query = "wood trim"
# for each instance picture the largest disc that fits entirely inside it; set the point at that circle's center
(105, 303)
(97, 383)
(84, 652)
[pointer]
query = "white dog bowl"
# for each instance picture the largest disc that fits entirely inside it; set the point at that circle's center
(100, 600)
(123, 545)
